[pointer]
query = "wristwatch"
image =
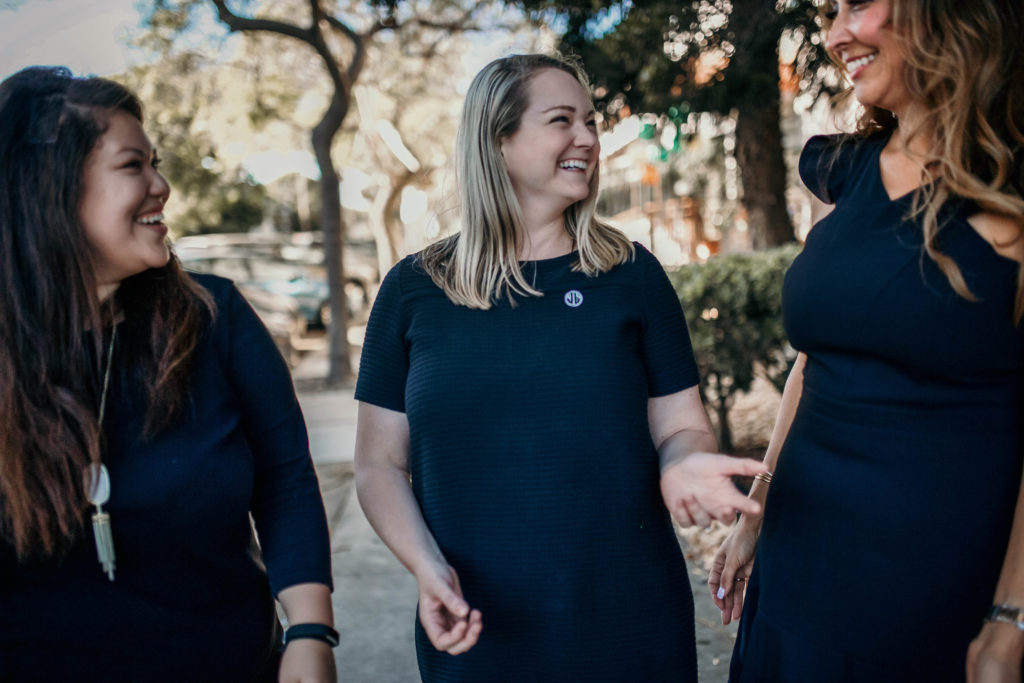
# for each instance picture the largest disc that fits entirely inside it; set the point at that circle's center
(1007, 615)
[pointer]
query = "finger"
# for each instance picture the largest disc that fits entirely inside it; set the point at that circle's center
(726, 581)
(727, 610)
(726, 514)
(731, 498)
(449, 635)
(697, 512)
(737, 600)
(682, 515)
(745, 467)
(452, 600)
(472, 634)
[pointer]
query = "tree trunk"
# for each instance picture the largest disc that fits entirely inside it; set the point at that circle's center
(339, 357)
(763, 171)
(757, 27)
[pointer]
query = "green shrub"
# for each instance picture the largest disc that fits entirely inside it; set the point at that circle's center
(733, 306)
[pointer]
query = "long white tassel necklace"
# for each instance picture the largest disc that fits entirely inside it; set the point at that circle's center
(97, 482)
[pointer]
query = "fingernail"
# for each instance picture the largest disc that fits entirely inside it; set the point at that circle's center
(721, 592)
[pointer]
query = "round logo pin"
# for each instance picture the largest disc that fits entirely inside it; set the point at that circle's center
(573, 298)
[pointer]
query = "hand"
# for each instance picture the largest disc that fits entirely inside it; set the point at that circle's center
(306, 660)
(732, 566)
(995, 655)
(448, 621)
(699, 488)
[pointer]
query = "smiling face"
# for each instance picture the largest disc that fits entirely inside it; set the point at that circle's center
(552, 156)
(861, 37)
(121, 210)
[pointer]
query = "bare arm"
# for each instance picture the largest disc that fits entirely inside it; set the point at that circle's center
(382, 484)
(307, 660)
(734, 561)
(696, 482)
(995, 655)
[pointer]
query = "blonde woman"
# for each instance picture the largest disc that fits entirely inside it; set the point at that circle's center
(533, 375)
(892, 543)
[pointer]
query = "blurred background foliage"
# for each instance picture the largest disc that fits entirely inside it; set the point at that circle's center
(733, 307)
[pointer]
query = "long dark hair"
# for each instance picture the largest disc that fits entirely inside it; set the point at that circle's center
(50, 316)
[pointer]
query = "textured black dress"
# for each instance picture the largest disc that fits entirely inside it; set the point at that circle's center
(888, 518)
(533, 465)
(191, 599)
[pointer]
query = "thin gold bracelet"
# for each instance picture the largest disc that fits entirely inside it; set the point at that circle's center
(766, 477)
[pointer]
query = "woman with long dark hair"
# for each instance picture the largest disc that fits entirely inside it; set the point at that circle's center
(145, 414)
(892, 543)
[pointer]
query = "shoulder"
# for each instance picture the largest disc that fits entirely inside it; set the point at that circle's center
(827, 160)
(220, 288)
(641, 261)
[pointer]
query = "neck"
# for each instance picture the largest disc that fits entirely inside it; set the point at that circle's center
(909, 137)
(545, 241)
(104, 292)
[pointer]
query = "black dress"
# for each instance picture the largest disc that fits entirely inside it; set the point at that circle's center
(533, 465)
(192, 599)
(888, 518)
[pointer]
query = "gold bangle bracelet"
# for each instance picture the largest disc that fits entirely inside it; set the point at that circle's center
(766, 477)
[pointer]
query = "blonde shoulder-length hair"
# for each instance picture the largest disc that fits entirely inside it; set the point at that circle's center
(963, 62)
(479, 264)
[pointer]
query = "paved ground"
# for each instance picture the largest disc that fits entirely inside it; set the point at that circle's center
(375, 597)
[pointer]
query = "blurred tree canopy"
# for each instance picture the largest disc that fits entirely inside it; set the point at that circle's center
(672, 57)
(335, 39)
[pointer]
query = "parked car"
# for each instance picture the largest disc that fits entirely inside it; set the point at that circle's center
(288, 265)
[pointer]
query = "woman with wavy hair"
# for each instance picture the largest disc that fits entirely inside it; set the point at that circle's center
(891, 547)
(533, 375)
(135, 439)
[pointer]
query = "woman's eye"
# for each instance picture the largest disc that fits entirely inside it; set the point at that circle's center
(156, 162)
(560, 119)
(592, 123)
(133, 164)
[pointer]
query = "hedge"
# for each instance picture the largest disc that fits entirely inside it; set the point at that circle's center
(733, 306)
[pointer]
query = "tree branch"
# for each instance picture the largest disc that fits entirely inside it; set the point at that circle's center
(237, 23)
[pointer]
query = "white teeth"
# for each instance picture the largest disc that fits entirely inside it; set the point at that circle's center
(574, 163)
(152, 219)
(855, 64)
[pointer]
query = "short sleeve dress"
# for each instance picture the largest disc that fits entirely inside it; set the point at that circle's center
(887, 521)
(532, 461)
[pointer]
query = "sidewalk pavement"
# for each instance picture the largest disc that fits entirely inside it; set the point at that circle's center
(375, 597)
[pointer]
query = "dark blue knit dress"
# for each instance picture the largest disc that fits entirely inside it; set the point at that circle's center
(193, 598)
(533, 464)
(888, 517)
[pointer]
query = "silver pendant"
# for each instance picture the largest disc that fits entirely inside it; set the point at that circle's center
(97, 486)
(104, 541)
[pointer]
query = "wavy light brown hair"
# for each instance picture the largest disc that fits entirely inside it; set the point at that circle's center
(479, 264)
(964, 63)
(51, 321)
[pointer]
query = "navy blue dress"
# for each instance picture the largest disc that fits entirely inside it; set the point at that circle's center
(532, 462)
(193, 598)
(887, 521)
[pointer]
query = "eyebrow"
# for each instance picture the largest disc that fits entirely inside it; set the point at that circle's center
(136, 150)
(569, 107)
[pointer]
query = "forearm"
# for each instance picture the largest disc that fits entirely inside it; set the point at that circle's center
(1010, 588)
(391, 508)
(683, 443)
(787, 411)
(307, 603)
